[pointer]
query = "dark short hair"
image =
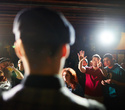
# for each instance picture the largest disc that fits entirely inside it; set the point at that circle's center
(41, 26)
(42, 30)
(96, 55)
(108, 55)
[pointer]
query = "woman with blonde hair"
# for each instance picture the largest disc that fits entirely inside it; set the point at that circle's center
(71, 81)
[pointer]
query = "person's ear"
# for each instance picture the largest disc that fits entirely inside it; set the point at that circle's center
(65, 50)
(19, 49)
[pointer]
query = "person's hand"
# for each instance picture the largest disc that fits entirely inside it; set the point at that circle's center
(99, 64)
(11, 64)
(81, 55)
(103, 82)
(10, 67)
(108, 81)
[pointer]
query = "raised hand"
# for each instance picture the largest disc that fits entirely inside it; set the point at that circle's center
(108, 81)
(99, 64)
(103, 82)
(81, 55)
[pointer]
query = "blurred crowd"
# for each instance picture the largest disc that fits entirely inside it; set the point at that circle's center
(10, 75)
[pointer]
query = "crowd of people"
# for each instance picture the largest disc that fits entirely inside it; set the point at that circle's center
(10, 76)
(105, 84)
(42, 44)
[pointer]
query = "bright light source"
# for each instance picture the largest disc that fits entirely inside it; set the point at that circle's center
(106, 37)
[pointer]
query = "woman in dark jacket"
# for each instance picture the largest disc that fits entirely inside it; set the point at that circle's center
(71, 81)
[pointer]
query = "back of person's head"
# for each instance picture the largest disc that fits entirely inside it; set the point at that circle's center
(42, 30)
(97, 56)
(108, 55)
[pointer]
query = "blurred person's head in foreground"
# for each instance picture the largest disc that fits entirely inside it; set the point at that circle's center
(42, 40)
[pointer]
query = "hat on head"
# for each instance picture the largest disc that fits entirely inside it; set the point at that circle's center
(86, 60)
(3, 59)
(43, 26)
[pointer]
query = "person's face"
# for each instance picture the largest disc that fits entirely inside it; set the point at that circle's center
(1, 74)
(66, 77)
(84, 63)
(107, 62)
(90, 64)
(95, 61)
(3, 65)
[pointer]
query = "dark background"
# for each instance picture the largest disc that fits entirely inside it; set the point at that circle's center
(88, 17)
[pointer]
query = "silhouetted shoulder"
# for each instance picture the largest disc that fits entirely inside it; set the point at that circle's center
(81, 103)
(47, 99)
